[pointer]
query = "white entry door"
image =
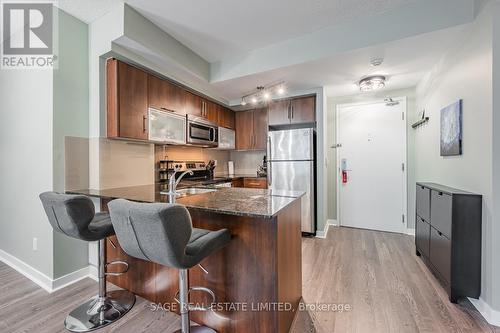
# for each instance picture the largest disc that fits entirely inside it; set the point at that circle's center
(372, 140)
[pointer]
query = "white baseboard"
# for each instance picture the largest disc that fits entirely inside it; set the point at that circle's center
(490, 315)
(323, 233)
(31, 273)
(47, 283)
(410, 231)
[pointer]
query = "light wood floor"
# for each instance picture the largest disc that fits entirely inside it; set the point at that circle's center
(376, 274)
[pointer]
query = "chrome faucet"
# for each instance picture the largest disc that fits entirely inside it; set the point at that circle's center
(172, 184)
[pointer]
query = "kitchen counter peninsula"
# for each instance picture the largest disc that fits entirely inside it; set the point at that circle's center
(257, 278)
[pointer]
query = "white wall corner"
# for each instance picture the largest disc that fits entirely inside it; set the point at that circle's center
(490, 315)
(332, 222)
(324, 232)
(45, 282)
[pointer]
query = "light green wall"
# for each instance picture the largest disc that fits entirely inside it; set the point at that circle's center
(70, 118)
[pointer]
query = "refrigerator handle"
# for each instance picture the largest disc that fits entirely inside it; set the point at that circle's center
(269, 167)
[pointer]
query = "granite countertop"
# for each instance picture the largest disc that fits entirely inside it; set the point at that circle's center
(232, 201)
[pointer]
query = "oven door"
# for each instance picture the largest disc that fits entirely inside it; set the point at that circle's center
(202, 134)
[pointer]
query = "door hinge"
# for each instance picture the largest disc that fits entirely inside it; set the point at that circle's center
(402, 167)
(403, 218)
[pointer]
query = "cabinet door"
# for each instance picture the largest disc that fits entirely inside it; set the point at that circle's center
(440, 253)
(422, 236)
(260, 183)
(441, 212)
(303, 110)
(133, 102)
(279, 112)
(260, 129)
(165, 95)
(424, 203)
(244, 130)
(193, 104)
(237, 182)
(226, 118)
(212, 111)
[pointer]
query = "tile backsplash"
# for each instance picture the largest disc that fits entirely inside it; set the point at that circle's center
(246, 162)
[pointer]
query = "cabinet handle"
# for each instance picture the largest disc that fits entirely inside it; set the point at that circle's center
(440, 193)
(291, 108)
(144, 120)
(288, 111)
(169, 110)
(440, 233)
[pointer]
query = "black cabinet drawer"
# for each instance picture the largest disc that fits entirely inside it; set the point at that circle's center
(423, 202)
(422, 236)
(441, 212)
(440, 253)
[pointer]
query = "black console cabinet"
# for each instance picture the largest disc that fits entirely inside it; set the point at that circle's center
(448, 237)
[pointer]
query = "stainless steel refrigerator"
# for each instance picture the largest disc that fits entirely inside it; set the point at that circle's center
(291, 167)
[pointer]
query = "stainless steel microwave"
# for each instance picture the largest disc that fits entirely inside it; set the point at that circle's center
(201, 132)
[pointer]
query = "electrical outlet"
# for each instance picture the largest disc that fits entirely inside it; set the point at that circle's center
(35, 244)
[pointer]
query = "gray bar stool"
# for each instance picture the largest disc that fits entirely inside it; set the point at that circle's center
(74, 216)
(163, 233)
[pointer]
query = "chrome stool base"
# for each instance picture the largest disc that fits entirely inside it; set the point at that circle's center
(99, 312)
(198, 329)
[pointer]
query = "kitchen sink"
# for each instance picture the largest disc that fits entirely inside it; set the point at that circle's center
(193, 191)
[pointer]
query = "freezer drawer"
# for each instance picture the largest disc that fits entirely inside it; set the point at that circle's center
(296, 176)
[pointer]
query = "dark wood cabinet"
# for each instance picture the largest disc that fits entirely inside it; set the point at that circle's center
(303, 110)
(131, 91)
(127, 101)
(226, 118)
(299, 110)
(260, 129)
(448, 237)
(212, 111)
(251, 129)
(279, 112)
(237, 182)
(164, 95)
(260, 183)
(193, 104)
(244, 130)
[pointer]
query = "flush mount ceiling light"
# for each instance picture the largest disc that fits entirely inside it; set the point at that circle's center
(264, 93)
(372, 83)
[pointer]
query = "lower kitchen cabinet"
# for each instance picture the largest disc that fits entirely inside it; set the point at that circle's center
(255, 183)
(250, 182)
(448, 237)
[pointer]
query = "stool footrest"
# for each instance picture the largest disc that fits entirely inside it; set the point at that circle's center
(117, 262)
(198, 308)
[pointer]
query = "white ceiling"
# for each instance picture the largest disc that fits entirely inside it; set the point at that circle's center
(217, 29)
(87, 10)
(406, 61)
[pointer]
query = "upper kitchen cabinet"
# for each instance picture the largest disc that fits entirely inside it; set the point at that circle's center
(300, 110)
(303, 110)
(165, 95)
(194, 104)
(127, 101)
(212, 111)
(226, 118)
(251, 129)
(279, 112)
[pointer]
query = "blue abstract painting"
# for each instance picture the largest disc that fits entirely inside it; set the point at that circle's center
(451, 129)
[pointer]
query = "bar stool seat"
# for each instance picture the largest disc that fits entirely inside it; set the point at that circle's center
(75, 216)
(163, 233)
